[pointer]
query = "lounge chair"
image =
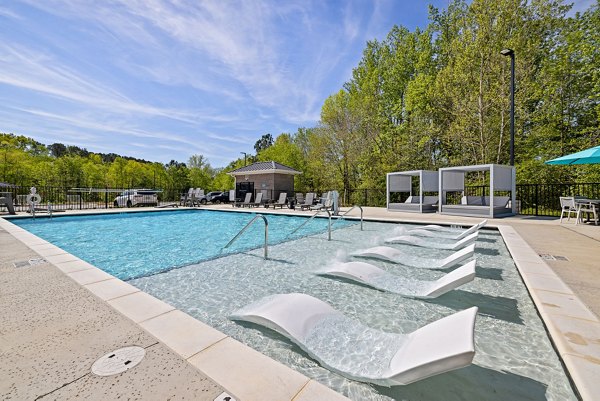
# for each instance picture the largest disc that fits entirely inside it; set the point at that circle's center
(433, 242)
(187, 196)
(359, 352)
(246, 201)
(257, 201)
(396, 256)
(6, 201)
(299, 198)
(326, 202)
(372, 276)
(444, 231)
(281, 202)
(308, 201)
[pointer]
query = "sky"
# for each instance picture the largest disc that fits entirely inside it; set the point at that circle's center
(163, 80)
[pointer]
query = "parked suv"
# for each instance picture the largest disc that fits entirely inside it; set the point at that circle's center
(137, 197)
(218, 197)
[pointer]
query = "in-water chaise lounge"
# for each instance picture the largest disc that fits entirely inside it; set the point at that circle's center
(397, 256)
(372, 276)
(433, 230)
(433, 242)
(359, 352)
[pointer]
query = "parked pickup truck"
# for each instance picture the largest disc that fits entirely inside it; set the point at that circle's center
(137, 197)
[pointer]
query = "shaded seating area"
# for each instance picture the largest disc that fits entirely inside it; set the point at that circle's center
(497, 198)
(422, 200)
(382, 358)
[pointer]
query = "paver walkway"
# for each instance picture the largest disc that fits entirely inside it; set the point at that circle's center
(581, 269)
(52, 330)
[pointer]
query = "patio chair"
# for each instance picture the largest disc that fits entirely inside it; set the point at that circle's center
(6, 201)
(372, 276)
(186, 196)
(326, 202)
(348, 347)
(568, 206)
(246, 201)
(258, 200)
(394, 255)
(299, 198)
(282, 201)
(308, 201)
(586, 207)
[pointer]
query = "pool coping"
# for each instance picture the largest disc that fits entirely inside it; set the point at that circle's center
(571, 326)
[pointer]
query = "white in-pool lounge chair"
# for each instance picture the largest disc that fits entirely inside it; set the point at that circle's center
(444, 232)
(396, 256)
(348, 347)
(372, 276)
(433, 242)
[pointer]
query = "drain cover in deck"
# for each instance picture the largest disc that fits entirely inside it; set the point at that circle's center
(225, 397)
(118, 361)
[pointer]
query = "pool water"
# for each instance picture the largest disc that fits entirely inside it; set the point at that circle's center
(129, 245)
(514, 358)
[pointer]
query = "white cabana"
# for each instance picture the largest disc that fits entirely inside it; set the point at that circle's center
(417, 202)
(489, 204)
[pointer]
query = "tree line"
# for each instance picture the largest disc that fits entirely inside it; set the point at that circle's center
(423, 99)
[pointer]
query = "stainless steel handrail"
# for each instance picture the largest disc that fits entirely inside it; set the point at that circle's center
(312, 217)
(361, 214)
(246, 227)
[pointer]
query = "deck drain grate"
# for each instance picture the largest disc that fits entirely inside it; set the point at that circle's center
(547, 256)
(118, 361)
(27, 263)
(224, 397)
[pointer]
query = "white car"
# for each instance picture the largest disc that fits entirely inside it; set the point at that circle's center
(137, 197)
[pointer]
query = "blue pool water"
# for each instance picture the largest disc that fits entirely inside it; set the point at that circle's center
(131, 245)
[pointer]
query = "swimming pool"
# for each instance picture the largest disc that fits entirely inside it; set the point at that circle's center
(514, 357)
(129, 245)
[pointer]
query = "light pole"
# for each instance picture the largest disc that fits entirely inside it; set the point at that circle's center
(244, 153)
(511, 53)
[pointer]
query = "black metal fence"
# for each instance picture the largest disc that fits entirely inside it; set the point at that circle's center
(62, 198)
(532, 199)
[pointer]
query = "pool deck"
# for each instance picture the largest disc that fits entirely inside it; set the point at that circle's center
(61, 314)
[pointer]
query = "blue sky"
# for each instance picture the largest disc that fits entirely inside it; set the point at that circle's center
(162, 80)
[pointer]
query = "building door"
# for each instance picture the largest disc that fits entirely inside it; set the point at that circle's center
(242, 188)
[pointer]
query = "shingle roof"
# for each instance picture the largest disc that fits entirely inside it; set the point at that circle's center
(269, 167)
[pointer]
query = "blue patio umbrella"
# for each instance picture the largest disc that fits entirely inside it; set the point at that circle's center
(588, 156)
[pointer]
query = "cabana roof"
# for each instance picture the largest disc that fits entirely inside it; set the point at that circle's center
(264, 168)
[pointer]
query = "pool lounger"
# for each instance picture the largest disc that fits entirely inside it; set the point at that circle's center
(372, 276)
(444, 232)
(396, 256)
(433, 242)
(356, 351)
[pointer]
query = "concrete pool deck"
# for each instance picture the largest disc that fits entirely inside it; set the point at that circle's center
(43, 295)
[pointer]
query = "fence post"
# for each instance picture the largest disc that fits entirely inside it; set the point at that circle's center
(537, 197)
(106, 197)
